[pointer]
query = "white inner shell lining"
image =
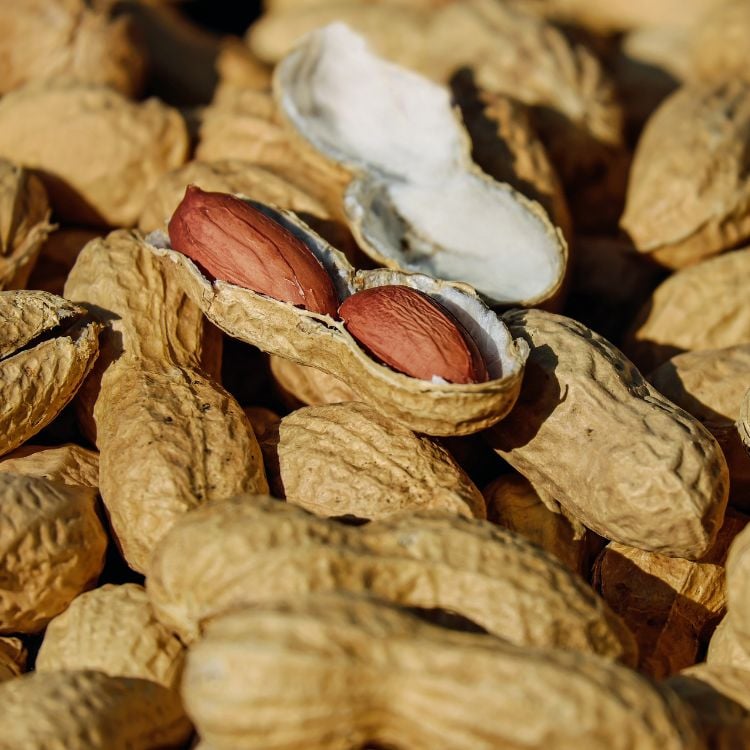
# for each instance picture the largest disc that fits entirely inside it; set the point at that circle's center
(419, 205)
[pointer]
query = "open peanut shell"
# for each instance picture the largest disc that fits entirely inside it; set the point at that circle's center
(417, 202)
(431, 407)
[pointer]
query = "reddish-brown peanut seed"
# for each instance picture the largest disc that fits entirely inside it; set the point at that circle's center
(235, 242)
(412, 333)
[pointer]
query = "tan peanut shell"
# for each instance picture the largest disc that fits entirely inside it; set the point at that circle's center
(687, 196)
(513, 504)
(227, 176)
(716, 43)
(726, 648)
(305, 337)
(670, 604)
(57, 257)
(69, 131)
(112, 629)
(37, 380)
(89, 710)
(24, 223)
(702, 307)
(299, 385)
(495, 578)
(72, 41)
(169, 437)
(52, 547)
(718, 696)
(348, 460)
(738, 587)
(12, 658)
(592, 435)
(711, 385)
(69, 464)
(743, 423)
(331, 673)
(493, 39)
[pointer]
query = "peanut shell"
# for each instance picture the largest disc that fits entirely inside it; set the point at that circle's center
(593, 436)
(24, 223)
(12, 658)
(69, 464)
(299, 385)
(72, 41)
(346, 459)
(52, 547)
(366, 673)
(738, 586)
(493, 577)
(688, 197)
(671, 605)
(513, 504)
(284, 330)
(718, 696)
(711, 385)
(726, 648)
(169, 437)
(702, 307)
(89, 710)
(67, 132)
(46, 351)
(112, 629)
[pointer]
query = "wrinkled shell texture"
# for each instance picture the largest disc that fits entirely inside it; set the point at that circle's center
(12, 658)
(227, 176)
(738, 585)
(670, 604)
(702, 307)
(100, 153)
(71, 42)
(89, 710)
(169, 437)
(513, 504)
(498, 580)
(24, 224)
(653, 477)
(346, 459)
(726, 648)
(365, 674)
(113, 630)
(38, 381)
(52, 547)
(69, 464)
(711, 385)
(299, 385)
(281, 329)
(688, 197)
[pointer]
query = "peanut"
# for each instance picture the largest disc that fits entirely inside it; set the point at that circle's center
(89, 710)
(113, 630)
(47, 349)
(366, 673)
(299, 385)
(726, 648)
(69, 464)
(410, 332)
(652, 477)
(670, 605)
(501, 582)
(51, 545)
(169, 437)
(346, 459)
(13, 657)
(235, 242)
(24, 223)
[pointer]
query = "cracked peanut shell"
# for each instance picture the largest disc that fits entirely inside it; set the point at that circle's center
(307, 338)
(47, 349)
(24, 223)
(270, 550)
(592, 435)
